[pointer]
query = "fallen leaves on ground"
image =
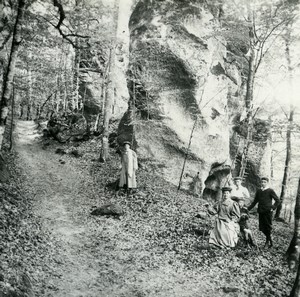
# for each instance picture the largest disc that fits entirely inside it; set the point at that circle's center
(152, 250)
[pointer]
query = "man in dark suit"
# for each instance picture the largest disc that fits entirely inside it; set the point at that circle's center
(264, 197)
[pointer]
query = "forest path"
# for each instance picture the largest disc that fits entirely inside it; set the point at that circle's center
(151, 251)
(57, 191)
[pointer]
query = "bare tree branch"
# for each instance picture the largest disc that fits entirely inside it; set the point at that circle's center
(62, 16)
(262, 44)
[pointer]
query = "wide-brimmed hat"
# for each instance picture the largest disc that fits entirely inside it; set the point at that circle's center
(237, 178)
(264, 178)
(226, 189)
(126, 142)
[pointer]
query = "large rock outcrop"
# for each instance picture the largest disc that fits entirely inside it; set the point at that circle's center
(181, 80)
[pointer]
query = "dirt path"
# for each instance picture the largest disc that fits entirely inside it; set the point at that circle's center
(150, 251)
(57, 192)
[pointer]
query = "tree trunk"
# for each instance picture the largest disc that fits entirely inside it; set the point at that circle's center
(21, 111)
(248, 103)
(293, 250)
(9, 75)
(28, 111)
(109, 93)
(110, 90)
(57, 94)
(66, 82)
(12, 117)
(287, 163)
(76, 64)
(288, 136)
(29, 90)
(38, 111)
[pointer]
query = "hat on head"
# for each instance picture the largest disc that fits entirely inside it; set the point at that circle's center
(226, 189)
(126, 142)
(237, 178)
(265, 178)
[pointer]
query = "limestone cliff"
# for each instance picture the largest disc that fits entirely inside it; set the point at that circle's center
(184, 79)
(179, 78)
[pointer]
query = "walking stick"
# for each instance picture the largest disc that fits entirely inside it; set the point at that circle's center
(127, 188)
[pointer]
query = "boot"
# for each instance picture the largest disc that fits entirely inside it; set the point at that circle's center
(270, 242)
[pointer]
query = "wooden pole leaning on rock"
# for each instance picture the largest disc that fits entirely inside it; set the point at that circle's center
(193, 128)
(293, 251)
(12, 115)
(186, 154)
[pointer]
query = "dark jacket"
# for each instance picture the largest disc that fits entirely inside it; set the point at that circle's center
(264, 198)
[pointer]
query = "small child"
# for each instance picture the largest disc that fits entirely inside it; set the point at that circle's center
(245, 227)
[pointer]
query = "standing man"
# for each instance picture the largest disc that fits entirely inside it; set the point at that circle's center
(264, 197)
(239, 193)
(196, 185)
(129, 166)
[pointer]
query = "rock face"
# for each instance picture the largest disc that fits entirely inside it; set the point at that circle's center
(181, 80)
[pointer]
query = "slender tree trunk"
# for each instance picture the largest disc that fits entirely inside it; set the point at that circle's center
(293, 250)
(287, 166)
(21, 111)
(9, 75)
(109, 93)
(57, 94)
(110, 90)
(12, 117)
(29, 90)
(76, 63)
(65, 77)
(65, 99)
(100, 115)
(28, 118)
(76, 78)
(38, 111)
(249, 110)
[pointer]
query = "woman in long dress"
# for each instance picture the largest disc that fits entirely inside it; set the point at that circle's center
(226, 229)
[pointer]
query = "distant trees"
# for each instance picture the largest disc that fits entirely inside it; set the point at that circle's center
(257, 25)
(290, 118)
(60, 42)
(9, 74)
(10, 71)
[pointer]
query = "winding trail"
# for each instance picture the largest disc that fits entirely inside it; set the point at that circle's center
(58, 194)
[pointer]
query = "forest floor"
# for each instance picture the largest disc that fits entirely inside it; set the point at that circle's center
(152, 250)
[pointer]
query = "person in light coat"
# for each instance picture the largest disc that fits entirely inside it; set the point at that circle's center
(129, 166)
(239, 193)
